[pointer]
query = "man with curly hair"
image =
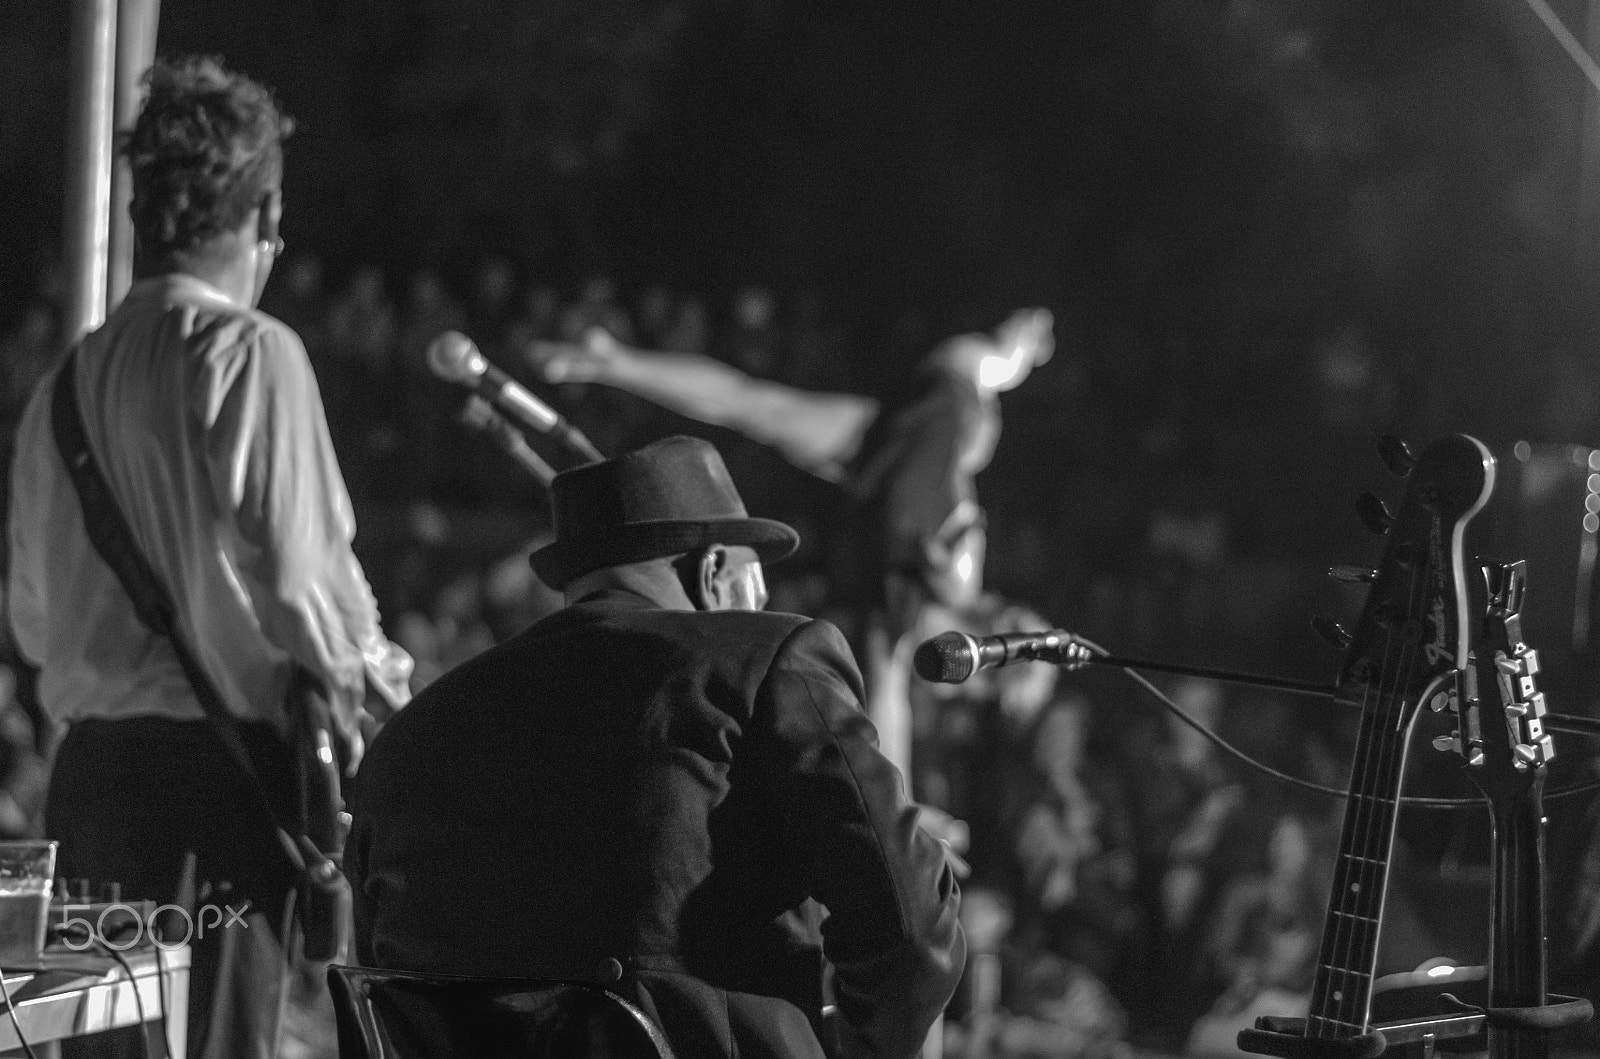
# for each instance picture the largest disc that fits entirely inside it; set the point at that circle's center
(208, 427)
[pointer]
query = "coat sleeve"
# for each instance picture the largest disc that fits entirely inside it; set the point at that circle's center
(893, 933)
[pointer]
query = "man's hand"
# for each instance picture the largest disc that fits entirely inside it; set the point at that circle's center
(389, 669)
(387, 690)
(1030, 331)
(565, 362)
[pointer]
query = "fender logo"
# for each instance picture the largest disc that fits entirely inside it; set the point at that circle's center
(1438, 651)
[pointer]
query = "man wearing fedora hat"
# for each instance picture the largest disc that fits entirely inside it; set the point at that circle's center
(665, 789)
(908, 467)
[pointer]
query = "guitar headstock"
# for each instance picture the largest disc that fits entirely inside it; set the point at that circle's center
(1414, 633)
(1500, 730)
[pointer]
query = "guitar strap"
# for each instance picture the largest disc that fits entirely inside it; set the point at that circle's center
(113, 539)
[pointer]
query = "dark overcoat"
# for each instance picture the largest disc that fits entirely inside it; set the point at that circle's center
(696, 796)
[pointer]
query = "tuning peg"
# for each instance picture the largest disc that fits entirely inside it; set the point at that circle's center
(1331, 631)
(1474, 735)
(1396, 455)
(1374, 515)
(1351, 574)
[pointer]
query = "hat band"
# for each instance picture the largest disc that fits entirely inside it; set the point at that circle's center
(634, 542)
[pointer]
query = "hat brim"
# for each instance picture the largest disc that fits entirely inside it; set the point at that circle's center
(562, 560)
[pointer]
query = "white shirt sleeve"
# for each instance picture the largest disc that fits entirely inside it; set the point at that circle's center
(273, 466)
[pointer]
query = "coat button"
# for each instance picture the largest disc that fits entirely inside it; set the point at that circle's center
(609, 970)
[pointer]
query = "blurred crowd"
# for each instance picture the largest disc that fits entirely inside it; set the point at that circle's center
(1130, 886)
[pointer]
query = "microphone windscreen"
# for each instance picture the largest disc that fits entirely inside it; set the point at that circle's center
(450, 357)
(946, 659)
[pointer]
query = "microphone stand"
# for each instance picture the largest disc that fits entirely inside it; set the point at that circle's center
(1084, 655)
(478, 413)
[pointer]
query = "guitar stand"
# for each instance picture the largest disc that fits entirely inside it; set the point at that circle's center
(1284, 1037)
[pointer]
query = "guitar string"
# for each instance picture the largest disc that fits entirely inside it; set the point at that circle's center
(1329, 983)
(1393, 749)
(1331, 955)
(1341, 1002)
(1359, 872)
(1370, 823)
(1365, 873)
(1353, 842)
(1392, 726)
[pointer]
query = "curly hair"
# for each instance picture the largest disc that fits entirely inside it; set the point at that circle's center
(206, 149)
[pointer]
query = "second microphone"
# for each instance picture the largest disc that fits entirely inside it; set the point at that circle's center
(455, 358)
(952, 657)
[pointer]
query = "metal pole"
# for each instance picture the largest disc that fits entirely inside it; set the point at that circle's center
(88, 174)
(1589, 145)
(136, 49)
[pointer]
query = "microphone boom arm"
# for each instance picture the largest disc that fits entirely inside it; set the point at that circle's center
(1081, 654)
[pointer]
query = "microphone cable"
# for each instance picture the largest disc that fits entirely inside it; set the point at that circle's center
(1320, 788)
(16, 1025)
(138, 997)
(94, 939)
(161, 1000)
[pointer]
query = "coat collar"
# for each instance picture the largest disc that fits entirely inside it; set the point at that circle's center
(180, 286)
(616, 598)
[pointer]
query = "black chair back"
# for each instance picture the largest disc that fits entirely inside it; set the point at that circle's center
(405, 1015)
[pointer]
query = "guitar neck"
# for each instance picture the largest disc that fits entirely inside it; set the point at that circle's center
(1341, 993)
(1517, 961)
(1511, 773)
(1410, 646)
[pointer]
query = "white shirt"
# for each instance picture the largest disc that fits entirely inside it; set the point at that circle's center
(207, 423)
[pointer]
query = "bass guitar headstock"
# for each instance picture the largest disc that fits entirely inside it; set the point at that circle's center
(1501, 738)
(1414, 632)
(1500, 731)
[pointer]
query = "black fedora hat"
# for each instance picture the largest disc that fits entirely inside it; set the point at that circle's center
(670, 497)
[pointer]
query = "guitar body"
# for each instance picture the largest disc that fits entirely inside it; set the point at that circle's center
(323, 895)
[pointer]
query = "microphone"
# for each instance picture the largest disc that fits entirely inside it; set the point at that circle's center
(952, 657)
(455, 358)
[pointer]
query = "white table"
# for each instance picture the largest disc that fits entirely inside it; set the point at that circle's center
(79, 993)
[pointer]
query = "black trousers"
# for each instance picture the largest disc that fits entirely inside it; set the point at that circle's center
(158, 807)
